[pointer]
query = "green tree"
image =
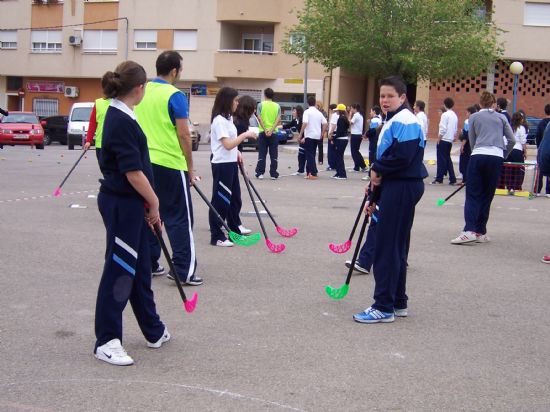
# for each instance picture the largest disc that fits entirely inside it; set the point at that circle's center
(418, 39)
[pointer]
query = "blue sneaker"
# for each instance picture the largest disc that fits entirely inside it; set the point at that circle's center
(371, 315)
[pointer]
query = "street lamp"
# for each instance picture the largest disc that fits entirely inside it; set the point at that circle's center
(515, 68)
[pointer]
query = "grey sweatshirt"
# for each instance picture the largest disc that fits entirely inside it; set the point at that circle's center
(487, 128)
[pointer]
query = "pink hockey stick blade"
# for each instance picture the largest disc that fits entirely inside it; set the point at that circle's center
(191, 303)
(287, 232)
(275, 248)
(57, 192)
(343, 248)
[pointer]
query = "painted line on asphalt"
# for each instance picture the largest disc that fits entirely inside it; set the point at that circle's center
(217, 392)
(47, 196)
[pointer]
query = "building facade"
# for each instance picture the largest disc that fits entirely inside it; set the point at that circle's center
(53, 53)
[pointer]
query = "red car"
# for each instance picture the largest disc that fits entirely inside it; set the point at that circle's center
(21, 128)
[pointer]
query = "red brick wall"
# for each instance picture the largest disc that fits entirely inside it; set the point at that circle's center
(533, 92)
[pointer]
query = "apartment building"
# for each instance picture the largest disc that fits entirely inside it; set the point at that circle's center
(53, 53)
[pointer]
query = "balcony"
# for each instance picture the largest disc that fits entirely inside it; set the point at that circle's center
(250, 64)
(249, 11)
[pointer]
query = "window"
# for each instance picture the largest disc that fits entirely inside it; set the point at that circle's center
(45, 107)
(536, 14)
(100, 41)
(258, 42)
(145, 39)
(8, 39)
(185, 39)
(46, 41)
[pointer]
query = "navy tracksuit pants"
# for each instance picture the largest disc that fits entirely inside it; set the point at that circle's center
(176, 212)
(266, 143)
(310, 145)
(301, 158)
(127, 271)
(330, 154)
(339, 149)
(358, 160)
(396, 215)
(366, 254)
(226, 199)
(444, 162)
(483, 176)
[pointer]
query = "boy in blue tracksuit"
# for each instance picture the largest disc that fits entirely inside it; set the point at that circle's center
(399, 172)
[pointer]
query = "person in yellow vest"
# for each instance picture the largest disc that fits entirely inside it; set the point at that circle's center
(163, 115)
(95, 128)
(269, 115)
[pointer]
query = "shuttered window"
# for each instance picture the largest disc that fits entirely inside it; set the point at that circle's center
(45, 107)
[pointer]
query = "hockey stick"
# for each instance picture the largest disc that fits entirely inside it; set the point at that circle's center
(342, 291)
(235, 237)
(57, 191)
(282, 231)
(441, 201)
(189, 304)
(344, 247)
(275, 248)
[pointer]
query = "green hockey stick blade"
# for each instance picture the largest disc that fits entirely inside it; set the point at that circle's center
(245, 240)
(337, 293)
(440, 202)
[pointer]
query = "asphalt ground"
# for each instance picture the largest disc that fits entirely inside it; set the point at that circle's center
(264, 335)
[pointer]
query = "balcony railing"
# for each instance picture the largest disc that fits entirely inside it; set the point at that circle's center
(241, 51)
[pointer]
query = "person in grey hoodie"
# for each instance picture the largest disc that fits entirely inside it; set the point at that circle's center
(488, 152)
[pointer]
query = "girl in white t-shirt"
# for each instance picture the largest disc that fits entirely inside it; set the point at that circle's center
(514, 173)
(226, 191)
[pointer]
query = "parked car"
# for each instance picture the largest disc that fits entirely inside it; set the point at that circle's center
(195, 136)
(79, 120)
(21, 128)
(532, 122)
(55, 129)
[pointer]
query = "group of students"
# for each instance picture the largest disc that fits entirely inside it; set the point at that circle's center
(145, 159)
(345, 125)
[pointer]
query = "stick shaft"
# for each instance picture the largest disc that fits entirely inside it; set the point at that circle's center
(72, 168)
(357, 247)
(455, 192)
(247, 183)
(260, 199)
(211, 206)
(158, 233)
(358, 216)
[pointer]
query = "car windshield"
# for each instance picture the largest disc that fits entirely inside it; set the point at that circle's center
(20, 118)
(81, 114)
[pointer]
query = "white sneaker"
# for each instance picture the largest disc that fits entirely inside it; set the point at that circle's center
(483, 238)
(244, 230)
(260, 177)
(297, 174)
(224, 243)
(112, 352)
(366, 178)
(357, 268)
(164, 338)
(465, 237)
(401, 313)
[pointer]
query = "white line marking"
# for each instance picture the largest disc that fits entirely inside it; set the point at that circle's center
(217, 392)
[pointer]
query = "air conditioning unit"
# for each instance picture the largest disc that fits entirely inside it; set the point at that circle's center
(71, 91)
(75, 40)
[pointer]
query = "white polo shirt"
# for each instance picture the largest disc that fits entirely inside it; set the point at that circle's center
(315, 121)
(356, 123)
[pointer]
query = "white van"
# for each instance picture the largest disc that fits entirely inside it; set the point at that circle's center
(79, 121)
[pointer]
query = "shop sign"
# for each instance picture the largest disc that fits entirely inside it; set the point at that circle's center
(39, 86)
